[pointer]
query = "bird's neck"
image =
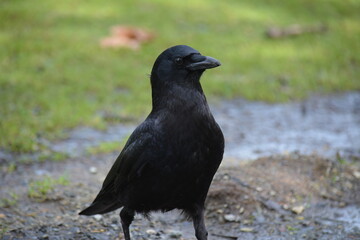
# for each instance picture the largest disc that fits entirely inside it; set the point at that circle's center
(178, 97)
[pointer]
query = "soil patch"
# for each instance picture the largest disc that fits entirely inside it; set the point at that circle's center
(280, 197)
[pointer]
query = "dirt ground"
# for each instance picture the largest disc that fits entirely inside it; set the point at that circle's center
(280, 197)
(312, 195)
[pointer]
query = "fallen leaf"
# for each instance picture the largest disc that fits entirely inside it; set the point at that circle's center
(126, 36)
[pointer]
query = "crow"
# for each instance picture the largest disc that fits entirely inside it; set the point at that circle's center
(170, 159)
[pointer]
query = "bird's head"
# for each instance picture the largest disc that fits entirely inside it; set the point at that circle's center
(180, 64)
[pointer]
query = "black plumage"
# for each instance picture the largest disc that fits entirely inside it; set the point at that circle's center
(170, 159)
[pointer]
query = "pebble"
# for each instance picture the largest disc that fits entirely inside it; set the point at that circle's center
(247, 222)
(151, 231)
(115, 226)
(226, 177)
(97, 217)
(231, 218)
(220, 211)
(45, 236)
(246, 229)
(241, 210)
(175, 234)
(298, 209)
(93, 170)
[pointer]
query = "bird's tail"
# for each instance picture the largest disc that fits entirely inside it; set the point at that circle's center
(100, 207)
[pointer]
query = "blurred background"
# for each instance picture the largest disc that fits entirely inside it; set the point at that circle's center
(61, 67)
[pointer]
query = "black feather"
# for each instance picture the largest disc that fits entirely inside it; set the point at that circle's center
(170, 159)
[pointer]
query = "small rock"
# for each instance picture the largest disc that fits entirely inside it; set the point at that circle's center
(298, 209)
(246, 229)
(247, 222)
(175, 234)
(45, 236)
(115, 226)
(356, 174)
(220, 211)
(259, 189)
(272, 193)
(226, 177)
(151, 231)
(231, 218)
(305, 223)
(93, 170)
(2, 215)
(241, 210)
(97, 217)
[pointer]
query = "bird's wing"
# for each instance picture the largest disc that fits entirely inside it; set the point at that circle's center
(130, 162)
(127, 167)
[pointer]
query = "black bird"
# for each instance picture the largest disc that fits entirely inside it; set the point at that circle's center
(170, 159)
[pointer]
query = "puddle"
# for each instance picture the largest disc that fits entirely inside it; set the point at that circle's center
(83, 138)
(322, 125)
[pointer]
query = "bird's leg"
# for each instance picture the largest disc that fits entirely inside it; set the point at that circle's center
(126, 217)
(199, 223)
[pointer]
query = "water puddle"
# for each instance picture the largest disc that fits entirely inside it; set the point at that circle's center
(322, 125)
(83, 138)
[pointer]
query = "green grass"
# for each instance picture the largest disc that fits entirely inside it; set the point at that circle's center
(39, 189)
(55, 76)
(105, 147)
(9, 201)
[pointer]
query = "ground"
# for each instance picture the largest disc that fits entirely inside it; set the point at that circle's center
(281, 197)
(285, 195)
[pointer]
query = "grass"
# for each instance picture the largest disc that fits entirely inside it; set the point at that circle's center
(105, 147)
(55, 76)
(38, 190)
(9, 201)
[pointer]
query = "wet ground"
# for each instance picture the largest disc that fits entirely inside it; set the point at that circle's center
(303, 180)
(325, 126)
(322, 125)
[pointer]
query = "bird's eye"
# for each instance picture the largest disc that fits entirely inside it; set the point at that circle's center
(179, 61)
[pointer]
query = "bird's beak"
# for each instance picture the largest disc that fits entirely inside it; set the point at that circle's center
(202, 62)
